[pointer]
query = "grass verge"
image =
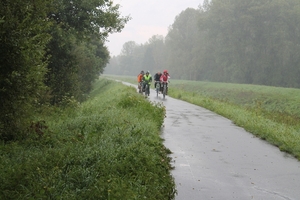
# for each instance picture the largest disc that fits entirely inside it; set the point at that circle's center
(106, 148)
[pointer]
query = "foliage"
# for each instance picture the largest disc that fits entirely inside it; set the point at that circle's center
(23, 38)
(86, 18)
(82, 64)
(134, 57)
(255, 44)
(108, 148)
(91, 60)
(77, 50)
(183, 51)
(237, 41)
(51, 51)
(61, 77)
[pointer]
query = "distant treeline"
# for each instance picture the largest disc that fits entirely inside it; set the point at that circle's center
(238, 41)
(51, 52)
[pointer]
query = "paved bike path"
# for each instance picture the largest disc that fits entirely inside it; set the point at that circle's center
(215, 159)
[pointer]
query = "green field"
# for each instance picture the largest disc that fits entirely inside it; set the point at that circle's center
(270, 113)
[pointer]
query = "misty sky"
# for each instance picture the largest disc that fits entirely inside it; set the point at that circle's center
(149, 17)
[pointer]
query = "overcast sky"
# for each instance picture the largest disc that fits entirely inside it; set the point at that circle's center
(149, 17)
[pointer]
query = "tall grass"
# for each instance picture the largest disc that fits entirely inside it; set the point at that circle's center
(270, 113)
(106, 148)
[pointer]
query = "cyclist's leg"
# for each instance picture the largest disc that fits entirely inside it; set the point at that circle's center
(167, 88)
(159, 86)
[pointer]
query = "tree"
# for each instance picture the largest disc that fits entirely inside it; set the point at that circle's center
(127, 58)
(240, 41)
(91, 58)
(252, 41)
(181, 44)
(88, 18)
(75, 22)
(23, 38)
(40, 44)
(157, 45)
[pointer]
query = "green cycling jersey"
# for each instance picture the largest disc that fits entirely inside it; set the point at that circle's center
(148, 78)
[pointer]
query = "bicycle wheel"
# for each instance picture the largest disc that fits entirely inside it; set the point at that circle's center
(157, 89)
(164, 90)
(147, 90)
(140, 88)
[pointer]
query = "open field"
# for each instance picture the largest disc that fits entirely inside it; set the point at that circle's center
(271, 113)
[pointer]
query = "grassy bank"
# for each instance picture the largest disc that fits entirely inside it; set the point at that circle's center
(271, 113)
(106, 148)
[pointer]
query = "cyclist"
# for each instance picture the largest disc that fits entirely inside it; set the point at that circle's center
(147, 79)
(140, 80)
(165, 78)
(157, 79)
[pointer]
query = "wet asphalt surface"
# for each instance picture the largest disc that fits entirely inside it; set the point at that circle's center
(215, 159)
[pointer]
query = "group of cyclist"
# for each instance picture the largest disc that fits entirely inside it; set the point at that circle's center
(159, 78)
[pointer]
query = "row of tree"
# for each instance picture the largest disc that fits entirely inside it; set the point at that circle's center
(239, 41)
(51, 50)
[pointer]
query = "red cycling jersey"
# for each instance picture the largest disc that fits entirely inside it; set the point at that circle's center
(164, 77)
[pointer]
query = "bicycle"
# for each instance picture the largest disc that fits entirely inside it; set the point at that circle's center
(157, 88)
(147, 88)
(140, 87)
(164, 91)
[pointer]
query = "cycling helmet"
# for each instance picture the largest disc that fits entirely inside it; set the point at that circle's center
(142, 72)
(165, 71)
(147, 72)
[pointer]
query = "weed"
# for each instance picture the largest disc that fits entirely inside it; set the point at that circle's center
(109, 147)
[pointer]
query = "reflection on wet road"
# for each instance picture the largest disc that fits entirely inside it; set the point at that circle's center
(214, 159)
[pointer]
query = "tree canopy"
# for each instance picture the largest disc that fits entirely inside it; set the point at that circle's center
(50, 50)
(239, 41)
